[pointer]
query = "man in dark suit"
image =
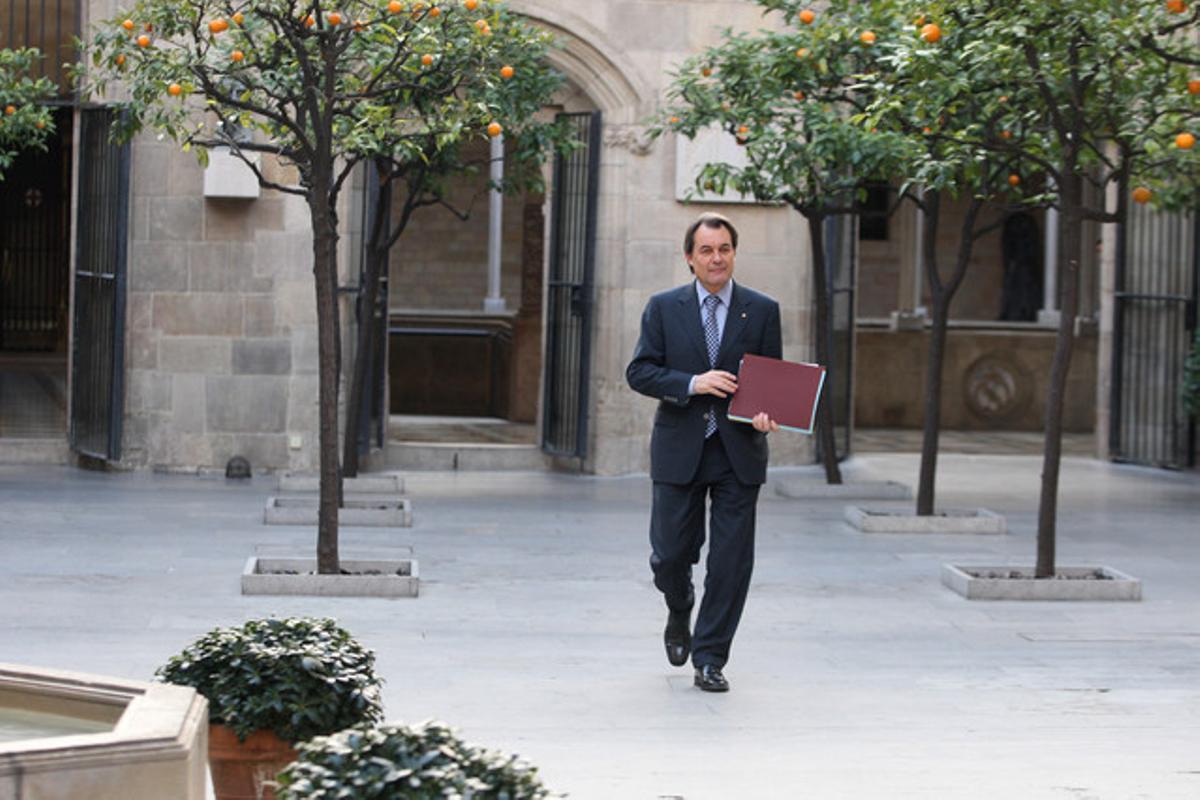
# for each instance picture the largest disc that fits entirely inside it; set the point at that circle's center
(691, 344)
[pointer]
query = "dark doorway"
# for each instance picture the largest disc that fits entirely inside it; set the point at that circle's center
(1021, 244)
(35, 207)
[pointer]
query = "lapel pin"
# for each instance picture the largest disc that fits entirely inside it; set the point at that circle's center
(743, 315)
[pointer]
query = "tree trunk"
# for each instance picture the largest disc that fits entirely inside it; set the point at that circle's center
(825, 435)
(941, 295)
(325, 238)
(364, 352)
(1070, 249)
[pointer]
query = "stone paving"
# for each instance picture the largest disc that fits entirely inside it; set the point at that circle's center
(855, 673)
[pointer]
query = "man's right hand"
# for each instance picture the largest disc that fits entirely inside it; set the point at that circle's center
(716, 382)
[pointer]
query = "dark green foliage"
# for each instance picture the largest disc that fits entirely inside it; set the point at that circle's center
(421, 762)
(298, 678)
(1191, 379)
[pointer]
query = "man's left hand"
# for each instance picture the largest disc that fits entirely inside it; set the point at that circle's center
(764, 424)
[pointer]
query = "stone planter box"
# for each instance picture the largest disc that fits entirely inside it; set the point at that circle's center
(374, 578)
(801, 489)
(971, 520)
(363, 484)
(1018, 583)
(367, 511)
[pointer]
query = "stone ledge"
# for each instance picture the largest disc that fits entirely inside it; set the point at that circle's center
(1116, 587)
(972, 520)
(363, 484)
(801, 489)
(367, 511)
(307, 582)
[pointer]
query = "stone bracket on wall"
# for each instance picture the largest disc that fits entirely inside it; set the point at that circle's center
(628, 137)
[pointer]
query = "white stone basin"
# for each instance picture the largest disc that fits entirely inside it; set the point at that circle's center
(21, 723)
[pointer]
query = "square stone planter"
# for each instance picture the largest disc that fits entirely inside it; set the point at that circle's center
(367, 511)
(364, 578)
(970, 520)
(1018, 583)
(363, 484)
(813, 489)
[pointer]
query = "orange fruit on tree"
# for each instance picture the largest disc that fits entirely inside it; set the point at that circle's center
(237, 55)
(309, 21)
(395, 6)
(1185, 141)
(143, 41)
(494, 129)
(334, 18)
(119, 60)
(706, 71)
(743, 130)
(674, 120)
(239, 18)
(1014, 179)
(927, 130)
(1176, 6)
(1006, 134)
(807, 16)
(1194, 86)
(1003, 98)
(1142, 195)
(802, 52)
(127, 25)
(435, 12)
(10, 110)
(426, 59)
(799, 95)
(507, 72)
(471, 5)
(174, 90)
(867, 37)
(39, 125)
(218, 25)
(919, 21)
(931, 33)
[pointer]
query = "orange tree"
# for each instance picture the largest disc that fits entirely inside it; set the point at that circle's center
(24, 121)
(320, 88)
(1094, 95)
(781, 93)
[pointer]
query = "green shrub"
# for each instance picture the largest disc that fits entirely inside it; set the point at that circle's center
(298, 678)
(421, 762)
(1191, 378)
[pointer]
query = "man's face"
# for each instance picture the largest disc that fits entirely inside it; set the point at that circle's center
(712, 257)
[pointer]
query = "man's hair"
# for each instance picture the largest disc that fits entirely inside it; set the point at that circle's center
(708, 220)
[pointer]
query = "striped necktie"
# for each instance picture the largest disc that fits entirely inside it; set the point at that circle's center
(712, 338)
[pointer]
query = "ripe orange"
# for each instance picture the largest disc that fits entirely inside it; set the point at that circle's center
(807, 16)
(743, 130)
(1176, 6)
(435, 12)
(119, 60)
(218, 25)
(1142, 195)
(470, 5)
(10, 110)
(674, 120)
(127, 25)
(143, 41)
(799, 95)
(1194, 86)
(1014, 179)
(931, 33)
(1003, 98)
(334, 19)
(395, 6)
(507, 72)
(239, 18)
(494, 129)
(309, 21)
(927, 130)
(174, 90)
(426, 59)
(919, 21)
(867, 37)
(802, 52)
(706, 71)
(237, 55)
(39, 125)
(1185, 141)
(1006, 134)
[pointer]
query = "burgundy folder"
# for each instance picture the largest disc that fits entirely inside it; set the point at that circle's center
(788, 391)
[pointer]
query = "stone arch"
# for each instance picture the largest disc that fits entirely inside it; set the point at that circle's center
(618, 91)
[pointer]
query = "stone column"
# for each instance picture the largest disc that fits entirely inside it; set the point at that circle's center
(494, 302)
(1048, 315)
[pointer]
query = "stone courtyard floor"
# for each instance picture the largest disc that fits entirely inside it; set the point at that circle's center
(855, 673)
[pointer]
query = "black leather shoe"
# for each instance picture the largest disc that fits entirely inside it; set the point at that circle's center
(678, 637)
(710, 679)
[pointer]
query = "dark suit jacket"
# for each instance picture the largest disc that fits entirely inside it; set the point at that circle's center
(671, 350)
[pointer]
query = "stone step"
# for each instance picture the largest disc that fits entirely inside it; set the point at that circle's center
(430, 456)
(363, 484)
(34, 451)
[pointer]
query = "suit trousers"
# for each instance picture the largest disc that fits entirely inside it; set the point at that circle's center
(676, 539)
